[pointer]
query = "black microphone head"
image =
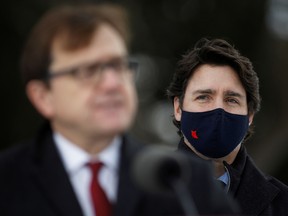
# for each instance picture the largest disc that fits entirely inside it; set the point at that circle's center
(155, 168)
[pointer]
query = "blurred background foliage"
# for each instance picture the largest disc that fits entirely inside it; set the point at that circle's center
(163, 30)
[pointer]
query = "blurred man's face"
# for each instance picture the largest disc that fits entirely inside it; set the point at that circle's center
(101, 105)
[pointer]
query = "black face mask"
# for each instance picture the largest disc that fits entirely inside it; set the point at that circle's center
(214, 133)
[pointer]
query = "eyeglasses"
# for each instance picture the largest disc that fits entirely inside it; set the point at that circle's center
(121, 66)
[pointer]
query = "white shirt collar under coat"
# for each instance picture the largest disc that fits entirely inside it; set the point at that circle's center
(74, 157)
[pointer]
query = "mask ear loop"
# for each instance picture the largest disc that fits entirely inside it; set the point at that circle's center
(250, 117)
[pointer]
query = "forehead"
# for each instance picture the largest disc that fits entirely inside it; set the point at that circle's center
(105, 43)
(215, 77)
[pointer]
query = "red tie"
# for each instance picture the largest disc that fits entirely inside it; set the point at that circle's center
(101, 204)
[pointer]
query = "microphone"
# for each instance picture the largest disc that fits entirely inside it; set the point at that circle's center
(162, 170)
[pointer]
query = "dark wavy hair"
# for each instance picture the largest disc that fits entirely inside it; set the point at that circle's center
(215, 52)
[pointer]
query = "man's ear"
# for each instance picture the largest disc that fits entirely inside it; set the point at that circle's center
(40, 96)
(177, 109)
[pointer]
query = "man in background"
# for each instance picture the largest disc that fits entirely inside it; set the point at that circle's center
(78, 75)
(215, 93)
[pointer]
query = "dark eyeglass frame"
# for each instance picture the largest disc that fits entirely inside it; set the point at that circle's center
(121, 64)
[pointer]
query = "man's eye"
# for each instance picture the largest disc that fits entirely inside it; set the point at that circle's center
(202, 97)
(116, 65)
(232, 101)
(88, 71)
(92, 68)
(74, 71)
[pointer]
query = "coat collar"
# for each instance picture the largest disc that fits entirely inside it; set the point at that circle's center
(249, 185)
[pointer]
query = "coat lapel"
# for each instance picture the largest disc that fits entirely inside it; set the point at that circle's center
(249, 185)
(255, 192)
(49, 174)
(129, 196)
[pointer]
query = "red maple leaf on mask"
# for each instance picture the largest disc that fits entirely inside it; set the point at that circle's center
(194, 134)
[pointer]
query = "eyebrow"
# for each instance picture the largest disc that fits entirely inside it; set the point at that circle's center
(203, 91)
(233, 94)
(211, 91)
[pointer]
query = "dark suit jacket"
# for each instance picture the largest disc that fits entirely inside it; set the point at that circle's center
(34, 182)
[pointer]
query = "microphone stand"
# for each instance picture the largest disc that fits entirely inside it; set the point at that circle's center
(186, 201)
(162, 171)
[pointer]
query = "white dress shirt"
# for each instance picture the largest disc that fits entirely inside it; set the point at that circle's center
(75, 162)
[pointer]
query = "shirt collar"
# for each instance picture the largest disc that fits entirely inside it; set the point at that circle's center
(74, 157)
(224, 178)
